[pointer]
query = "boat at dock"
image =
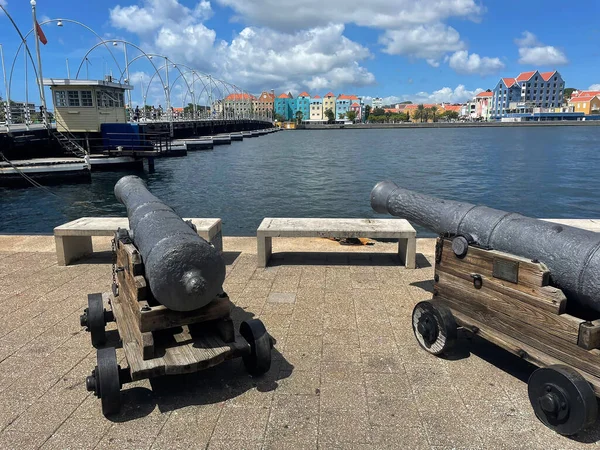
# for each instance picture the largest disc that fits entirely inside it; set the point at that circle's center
(44, 170)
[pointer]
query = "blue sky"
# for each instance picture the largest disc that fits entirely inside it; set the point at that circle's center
(431, 50)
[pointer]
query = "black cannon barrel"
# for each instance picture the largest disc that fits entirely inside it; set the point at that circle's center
(184, 272)
(571, 254)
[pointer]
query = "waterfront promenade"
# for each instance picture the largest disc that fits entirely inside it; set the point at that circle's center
(347, 371)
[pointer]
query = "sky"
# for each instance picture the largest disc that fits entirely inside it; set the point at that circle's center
(423, 51)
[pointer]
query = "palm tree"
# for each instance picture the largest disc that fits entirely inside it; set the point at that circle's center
(420, 112)
(299, 117)
(433, 110)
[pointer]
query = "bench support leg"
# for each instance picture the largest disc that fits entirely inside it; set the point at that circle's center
(265, 248)
(407, 251)
(70, 248)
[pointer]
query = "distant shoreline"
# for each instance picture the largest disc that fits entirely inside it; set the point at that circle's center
(359, 126)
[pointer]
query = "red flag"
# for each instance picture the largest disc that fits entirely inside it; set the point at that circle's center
(40, 33)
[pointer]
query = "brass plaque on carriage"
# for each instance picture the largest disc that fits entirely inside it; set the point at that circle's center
(505, 269)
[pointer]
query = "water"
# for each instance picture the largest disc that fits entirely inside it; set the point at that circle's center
(540, 172)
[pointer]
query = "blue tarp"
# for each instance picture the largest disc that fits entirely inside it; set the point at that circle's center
(126, 135)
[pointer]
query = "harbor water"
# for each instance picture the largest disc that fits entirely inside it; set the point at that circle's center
(550, 172)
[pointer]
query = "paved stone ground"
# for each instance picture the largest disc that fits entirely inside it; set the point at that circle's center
(347, 371)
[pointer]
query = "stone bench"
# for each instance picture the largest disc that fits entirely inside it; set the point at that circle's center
(74, 239)
(338, 228)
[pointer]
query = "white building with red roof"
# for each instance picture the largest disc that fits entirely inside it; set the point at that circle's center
(483, 105)
(528, 91)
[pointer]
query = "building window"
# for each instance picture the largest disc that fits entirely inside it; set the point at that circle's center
(73, 97)
(86, 98)
(60, 98)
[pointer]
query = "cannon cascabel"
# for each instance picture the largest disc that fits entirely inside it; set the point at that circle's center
(571, 254)
(184, 272)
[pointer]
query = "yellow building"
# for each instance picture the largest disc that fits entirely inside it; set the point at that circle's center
(329, 103)
(84, 105)
(587, 103)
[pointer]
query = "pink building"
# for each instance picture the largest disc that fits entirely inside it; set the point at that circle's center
(483, 105)
(358, 110)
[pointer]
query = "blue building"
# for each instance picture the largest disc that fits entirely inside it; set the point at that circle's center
(303, 105)
(527, 91)
(342, 104)
(285, 106)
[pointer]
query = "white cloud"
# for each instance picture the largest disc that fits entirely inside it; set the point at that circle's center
(257, 57)
(424, 41)
(533, 52)
(156, 13)
(469, 64)
(527, 39)
(444, 95)
(383, 14)
(594, 87)
(4, 3)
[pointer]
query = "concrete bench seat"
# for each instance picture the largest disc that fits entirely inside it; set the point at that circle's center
(74, 239)
(338, 228)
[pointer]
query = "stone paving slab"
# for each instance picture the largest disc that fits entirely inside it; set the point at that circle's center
(347, 372)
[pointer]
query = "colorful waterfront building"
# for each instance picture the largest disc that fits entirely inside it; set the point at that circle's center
(377, 102)
(342, 104)
(483, 105)
(303, 105)
(239, 105)
(284, 105)
(264, 104)
(587, 102)
(527, 91)
(316, 108)
(329, 104)
(357, 108)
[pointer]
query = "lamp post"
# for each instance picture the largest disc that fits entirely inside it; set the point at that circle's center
(39, 61)
(127, 80)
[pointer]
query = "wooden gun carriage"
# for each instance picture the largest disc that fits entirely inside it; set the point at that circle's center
(159, 341)
(508, 301)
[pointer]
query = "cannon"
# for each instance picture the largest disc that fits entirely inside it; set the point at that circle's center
(571, 254)
(171, 312)
(184, 271)
(529, 286)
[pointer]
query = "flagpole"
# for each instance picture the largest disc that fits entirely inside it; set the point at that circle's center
(39, 61)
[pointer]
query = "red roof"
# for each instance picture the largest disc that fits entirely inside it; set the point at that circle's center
(585, 94)
(524, 76)
(509, 81)
(485, 94)
(456, 108)
(547, 75)
(347, 97)
(331, 94)
(283, 96)
(316, 96)
(266, 96)
(237, 97)
(428, 105)
(355, 104)
(304, 94)
(391, 110)
(582, 98)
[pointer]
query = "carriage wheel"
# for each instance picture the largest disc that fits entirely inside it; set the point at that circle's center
(105, 382)
(562, 399)
(258, 359)
(94, 318)
(434, 327)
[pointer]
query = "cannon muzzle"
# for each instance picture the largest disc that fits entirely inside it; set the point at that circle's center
(571, 254)
(184, 272)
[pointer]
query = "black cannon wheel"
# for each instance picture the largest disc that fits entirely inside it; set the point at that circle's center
(258, 359)
(96, 322)
(562, 399)
(104, 381)
(434, 327)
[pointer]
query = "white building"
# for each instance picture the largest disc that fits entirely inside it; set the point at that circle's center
(377, 102)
